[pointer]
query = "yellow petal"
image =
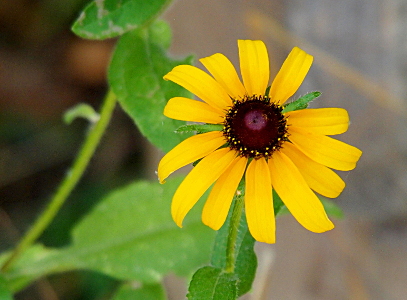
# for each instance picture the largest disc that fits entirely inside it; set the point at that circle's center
(319, 178)
(254, 66)
(327, 121)
(290, 76)
(188, 151)
(198, 181)
(225, 73)
(180, 108)
(303, 204)
(259, 202)
(201, 84)
(217, 206)
(325, 150)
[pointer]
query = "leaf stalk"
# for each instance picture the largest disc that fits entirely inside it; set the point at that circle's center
(68, 184)
(233, 233)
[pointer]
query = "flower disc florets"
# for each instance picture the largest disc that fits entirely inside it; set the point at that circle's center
(255, 127)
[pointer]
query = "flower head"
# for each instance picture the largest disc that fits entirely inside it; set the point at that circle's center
(289, 152)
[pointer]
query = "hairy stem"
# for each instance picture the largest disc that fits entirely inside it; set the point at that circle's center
(69, 182)
(233, 231)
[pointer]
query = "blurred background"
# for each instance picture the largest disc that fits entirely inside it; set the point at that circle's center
(360, 64)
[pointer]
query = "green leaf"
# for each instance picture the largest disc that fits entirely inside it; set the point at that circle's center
(331, 208)
(278, 204)
(5, 293)
(133, 227)
(132, 291)
(103, 19)
(160, 34)
(16, 277)
(302, 102)
(129, 235)
(267, 91)
(199, 128)
(210, 283)
(81, 110)
(136, 77)
(246, 261)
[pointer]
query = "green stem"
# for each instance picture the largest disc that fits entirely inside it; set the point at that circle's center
(233, 231)
(69, 182)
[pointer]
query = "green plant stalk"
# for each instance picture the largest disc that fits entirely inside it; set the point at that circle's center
(232, 237)
(69, 182)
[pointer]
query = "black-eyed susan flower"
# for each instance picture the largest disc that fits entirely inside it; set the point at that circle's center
(289, 152)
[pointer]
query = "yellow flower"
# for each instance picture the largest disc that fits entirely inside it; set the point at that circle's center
(289, 152)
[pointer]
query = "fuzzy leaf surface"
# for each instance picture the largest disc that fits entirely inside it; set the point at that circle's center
(200, 128)
(136, 77)
(5, 293)
(211, 283)
(302, 102)
(129, 235)
(102, 19)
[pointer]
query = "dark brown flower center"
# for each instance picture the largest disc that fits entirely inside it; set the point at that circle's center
(255, 127)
